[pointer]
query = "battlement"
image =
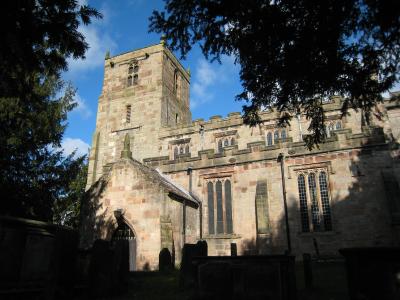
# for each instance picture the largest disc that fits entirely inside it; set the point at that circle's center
(340, 140)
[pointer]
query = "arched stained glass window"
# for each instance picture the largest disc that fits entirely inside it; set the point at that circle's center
(233, 141)
(326, 209)
(181, 150)
(226, 143)
(312, 186)
(303, 203)
(136, 68)
(269, 139)
(210, 202)
(187, 149)
(130, 70)
(220, 218)
(228, 207)
(338, 125)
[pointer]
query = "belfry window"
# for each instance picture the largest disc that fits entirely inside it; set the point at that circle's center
(133, 76)
(129, 80)
(314, 201)
(128, 113)
(219, 200)
(135, 79)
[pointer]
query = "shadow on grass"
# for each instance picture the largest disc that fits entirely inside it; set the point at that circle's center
(155, 285)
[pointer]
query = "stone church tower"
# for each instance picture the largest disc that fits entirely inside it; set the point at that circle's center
(143, 91)
(161, 179)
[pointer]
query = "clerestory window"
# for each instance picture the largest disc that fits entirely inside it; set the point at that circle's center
(225, 142)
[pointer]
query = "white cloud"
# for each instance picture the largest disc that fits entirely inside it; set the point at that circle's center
(99, 43)
(208, 76)
(69, 145)
(82, 107)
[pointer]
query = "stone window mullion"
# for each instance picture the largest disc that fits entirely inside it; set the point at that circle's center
(309, 210)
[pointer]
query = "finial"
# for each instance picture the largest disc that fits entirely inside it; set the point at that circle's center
(163, 39)
(188, 71)
(127, 153)
(107, 55)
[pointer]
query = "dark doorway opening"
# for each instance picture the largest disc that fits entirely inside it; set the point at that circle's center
(124, 233)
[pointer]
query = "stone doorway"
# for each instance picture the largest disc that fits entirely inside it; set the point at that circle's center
(125, 233)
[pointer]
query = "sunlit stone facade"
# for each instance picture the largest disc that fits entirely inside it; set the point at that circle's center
(345, 193)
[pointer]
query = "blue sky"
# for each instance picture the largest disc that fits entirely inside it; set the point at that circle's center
(124, 27)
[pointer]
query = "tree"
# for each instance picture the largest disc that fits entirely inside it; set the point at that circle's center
(67, 206)
(38, 37)
(294, 54)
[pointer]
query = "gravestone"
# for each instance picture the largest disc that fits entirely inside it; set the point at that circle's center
(165, 260)
(188, 269)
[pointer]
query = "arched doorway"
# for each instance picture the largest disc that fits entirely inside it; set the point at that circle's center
(123, 232)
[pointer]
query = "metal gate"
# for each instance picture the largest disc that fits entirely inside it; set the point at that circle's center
(123, 232)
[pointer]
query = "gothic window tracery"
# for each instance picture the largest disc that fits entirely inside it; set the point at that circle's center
(219, 202)
(225, 142)
(314, 201)
(332, 126)
(273, 136)
(180, 150)
(133, 76)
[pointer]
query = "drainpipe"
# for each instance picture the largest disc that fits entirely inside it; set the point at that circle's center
(281, 158)
(189, 172)
(300, 129)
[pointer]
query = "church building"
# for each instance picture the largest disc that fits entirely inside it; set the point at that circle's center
(160, 179)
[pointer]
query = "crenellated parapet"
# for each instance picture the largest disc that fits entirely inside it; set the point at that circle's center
(341, 140)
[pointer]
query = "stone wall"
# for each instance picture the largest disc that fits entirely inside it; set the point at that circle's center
(353, 163)
(148, 209)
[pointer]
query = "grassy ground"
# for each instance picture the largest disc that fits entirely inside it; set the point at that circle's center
(154, 285)
(329, 284)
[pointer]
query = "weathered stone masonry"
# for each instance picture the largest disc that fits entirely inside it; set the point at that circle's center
(342, 194)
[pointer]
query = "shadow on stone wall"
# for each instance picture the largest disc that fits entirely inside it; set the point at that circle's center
(93, 225)
(369, 215)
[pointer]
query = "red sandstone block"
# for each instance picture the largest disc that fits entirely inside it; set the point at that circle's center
(320, 158)
(309, 160)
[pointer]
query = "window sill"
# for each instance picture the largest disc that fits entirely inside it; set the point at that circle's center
(222, 236)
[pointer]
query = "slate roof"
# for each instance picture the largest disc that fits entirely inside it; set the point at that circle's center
(165, 181)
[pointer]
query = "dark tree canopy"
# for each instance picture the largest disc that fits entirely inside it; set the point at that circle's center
(294, 53)
(37, 38)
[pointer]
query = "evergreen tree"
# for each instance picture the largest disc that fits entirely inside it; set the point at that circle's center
(294, 53)
(38, 37)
